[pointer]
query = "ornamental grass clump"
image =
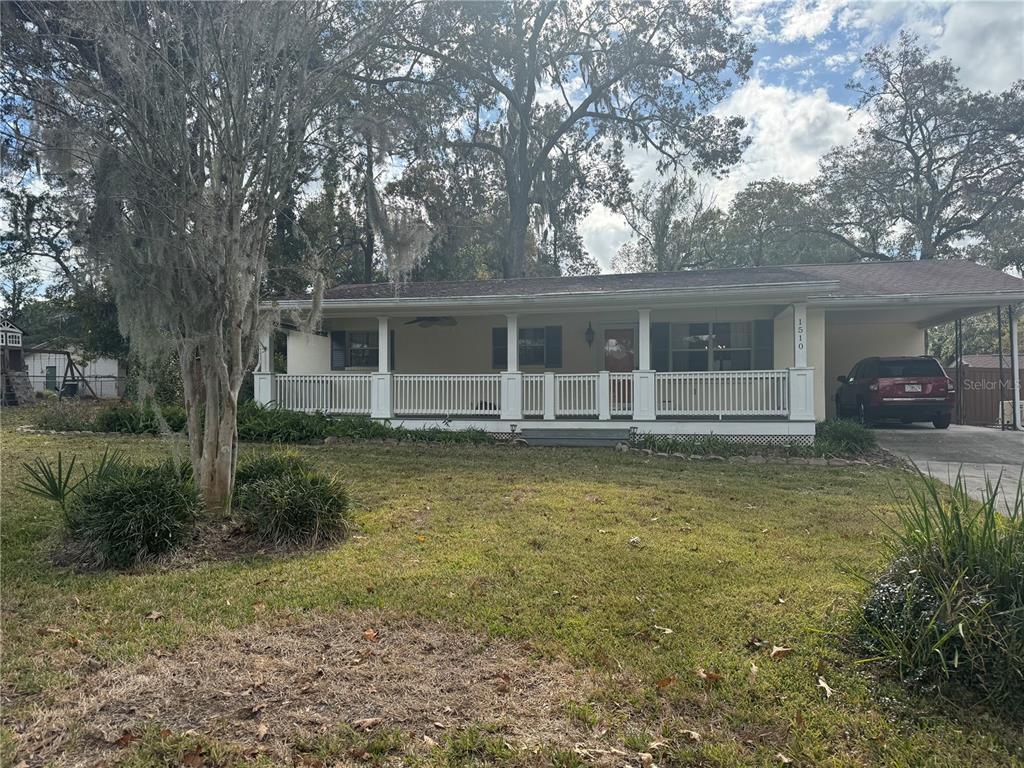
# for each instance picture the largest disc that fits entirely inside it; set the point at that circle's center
(948, 612)
(280, 499)
(118, 514)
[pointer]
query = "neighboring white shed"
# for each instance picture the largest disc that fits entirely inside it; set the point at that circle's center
(47, 365)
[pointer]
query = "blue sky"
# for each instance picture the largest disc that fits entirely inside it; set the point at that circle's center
(795, 100)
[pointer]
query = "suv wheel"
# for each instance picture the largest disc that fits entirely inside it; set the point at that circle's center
(862, 415)
(942, 422)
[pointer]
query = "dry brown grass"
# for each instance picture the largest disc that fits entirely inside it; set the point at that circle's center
(263, 688)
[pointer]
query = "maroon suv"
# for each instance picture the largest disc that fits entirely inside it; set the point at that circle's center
(904, 388)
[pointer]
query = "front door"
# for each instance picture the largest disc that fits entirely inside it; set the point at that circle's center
(619, 355)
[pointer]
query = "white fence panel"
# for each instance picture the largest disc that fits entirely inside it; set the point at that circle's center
(445, 394)
(345, 393)
(723, 393)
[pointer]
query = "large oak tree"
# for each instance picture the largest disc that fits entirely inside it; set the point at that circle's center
(525, 80)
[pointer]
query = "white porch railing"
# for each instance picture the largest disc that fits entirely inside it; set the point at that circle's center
(347, 393)
(533, 394)
(447, 394)
(576, 394)
(704, 394)
(620, 386)
(723, 393)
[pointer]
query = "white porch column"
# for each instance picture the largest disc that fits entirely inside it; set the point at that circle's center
(801, 394)
(383, 345)
(511, 377)
(604, 395)
(380, 382)
(644, 385)
(1015, 363)
(549, 396)
(644, 342)
(263, 376)
(799, 335)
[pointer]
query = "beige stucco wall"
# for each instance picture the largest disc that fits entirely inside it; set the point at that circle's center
(784, 350)
(466, 346)
(846, 343)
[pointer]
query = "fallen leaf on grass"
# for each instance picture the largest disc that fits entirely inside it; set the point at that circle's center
(756, 644)
(646, 759)
(154, 616)
(371, 635)
(708, 676)
(663, 630)
(193, 759)
(261, 732)
(783, 759)
(752, 676)
(125, 739)
(825, 687)
(665, 682)
(429, 741)
(780, 652)
(366, 723)
(691, 735)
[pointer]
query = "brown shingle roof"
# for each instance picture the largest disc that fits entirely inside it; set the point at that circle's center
(893, 278)
(990, 361)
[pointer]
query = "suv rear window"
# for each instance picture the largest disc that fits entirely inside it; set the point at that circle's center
(898, 369)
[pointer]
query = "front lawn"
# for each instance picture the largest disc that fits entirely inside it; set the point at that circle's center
(633, 601)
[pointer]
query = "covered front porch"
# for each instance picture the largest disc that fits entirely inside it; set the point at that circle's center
(741, 370)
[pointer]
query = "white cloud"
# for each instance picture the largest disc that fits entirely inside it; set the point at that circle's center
(986, 40)
(808, 19)
(789, 130)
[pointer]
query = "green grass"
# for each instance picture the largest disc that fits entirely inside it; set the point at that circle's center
(534, 544)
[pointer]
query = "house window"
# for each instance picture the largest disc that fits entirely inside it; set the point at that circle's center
(537, 346)
(358, 349)
(362, 349)
(716, 346)
(531, 346)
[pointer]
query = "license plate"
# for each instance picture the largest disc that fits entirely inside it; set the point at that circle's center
(912, 388)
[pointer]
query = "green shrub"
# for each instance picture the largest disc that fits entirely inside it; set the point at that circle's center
(697, 445)
(277, 425)
(360, 428)
(263, 465)
(132, 419)
(65, 418)
(295, 506)
(842, 437)
(132, 513)
(949, 609)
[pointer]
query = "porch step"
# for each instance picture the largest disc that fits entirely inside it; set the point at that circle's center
(583, 438)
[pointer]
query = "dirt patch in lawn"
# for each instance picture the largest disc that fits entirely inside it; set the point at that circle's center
(264, 687)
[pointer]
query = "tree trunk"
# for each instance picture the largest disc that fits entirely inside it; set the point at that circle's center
(211, 407)
(514, 255)
(369, 239)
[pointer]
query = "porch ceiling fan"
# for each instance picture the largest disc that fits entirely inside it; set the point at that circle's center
(429, 321)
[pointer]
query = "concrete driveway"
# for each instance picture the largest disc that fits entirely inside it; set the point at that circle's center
(978, 453)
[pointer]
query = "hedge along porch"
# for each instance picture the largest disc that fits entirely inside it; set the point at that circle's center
(729, 352)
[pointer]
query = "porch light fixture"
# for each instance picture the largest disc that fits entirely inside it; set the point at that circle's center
(589, 334)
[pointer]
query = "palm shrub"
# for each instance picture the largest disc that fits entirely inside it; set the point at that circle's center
(949, 609)
(281, 499)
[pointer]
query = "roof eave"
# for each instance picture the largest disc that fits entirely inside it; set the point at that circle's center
(649, 297)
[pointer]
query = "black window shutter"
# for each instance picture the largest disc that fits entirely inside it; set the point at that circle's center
(337, 350)
(764, 345)
(499, 348)
(391, 350)
(553, 346)
(660, 347)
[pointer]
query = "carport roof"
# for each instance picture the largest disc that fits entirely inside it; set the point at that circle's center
(861, 280)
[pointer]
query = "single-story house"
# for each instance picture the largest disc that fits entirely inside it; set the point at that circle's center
(746, 353)
(48, 369)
